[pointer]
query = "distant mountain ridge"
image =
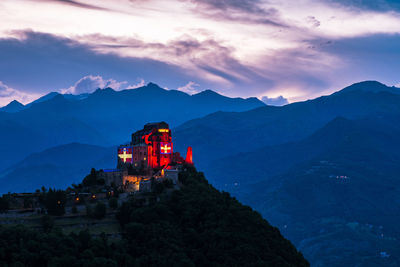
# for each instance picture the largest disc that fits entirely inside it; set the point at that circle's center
(105, 117)
(249, 130)
(13, 106)
(56, 167)
(370, 86)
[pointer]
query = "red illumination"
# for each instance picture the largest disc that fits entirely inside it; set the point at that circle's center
(150, 147)
(189, 156)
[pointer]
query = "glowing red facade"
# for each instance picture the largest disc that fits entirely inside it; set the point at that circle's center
(151, 147)
(189, 156)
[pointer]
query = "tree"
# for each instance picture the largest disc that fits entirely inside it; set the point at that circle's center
(74, 209)
(28, 203)
(4, 203)
(89, 211)
(47, 223)
(91, 179)
(113, 203)
(99, 210)
(54, 202)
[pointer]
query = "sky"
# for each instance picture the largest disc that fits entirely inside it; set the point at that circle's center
(277, 50)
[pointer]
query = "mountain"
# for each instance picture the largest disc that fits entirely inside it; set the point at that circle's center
(338, 187)
(56, 167)
(51, 95)
(346, 194)
(370, 86)
(13, 106)
(105, 117)
(44, 98)
(325, 171)
(225, 133)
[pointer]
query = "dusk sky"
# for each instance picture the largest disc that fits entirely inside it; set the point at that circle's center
(295, 49)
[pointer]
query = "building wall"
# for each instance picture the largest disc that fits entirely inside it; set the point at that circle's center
(112, 177)
(152, 147)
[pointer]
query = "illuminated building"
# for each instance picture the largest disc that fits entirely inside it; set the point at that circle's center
(150, 149)
(148, 157)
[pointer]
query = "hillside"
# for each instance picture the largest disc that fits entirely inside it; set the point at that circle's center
(103, 118)
(194, 226)
(338, 187)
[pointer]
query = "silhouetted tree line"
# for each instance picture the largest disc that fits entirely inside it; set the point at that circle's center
(20, 246)
(4, 203)
(92, 179)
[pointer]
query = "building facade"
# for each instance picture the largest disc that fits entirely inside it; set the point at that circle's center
(150, 148)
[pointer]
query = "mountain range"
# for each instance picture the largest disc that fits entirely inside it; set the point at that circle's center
(338, 187)
(325, 171)
(105, 117)
(330, 180)
(228, 133)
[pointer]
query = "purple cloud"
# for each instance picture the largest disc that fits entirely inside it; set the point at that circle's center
(275, 101)
(6, 91)
(90, 83)
(247, 11)
(76, 4)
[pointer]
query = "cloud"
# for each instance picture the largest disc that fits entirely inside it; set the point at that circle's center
(90, 83)
(247, 11)
(190, 88)
(75, 4)
(376, 5)
(313, 21)
(275, 101)
(207, 59)
(7, 94)
(242, 47)
(48, 62)
(141, 83)
(6, 91)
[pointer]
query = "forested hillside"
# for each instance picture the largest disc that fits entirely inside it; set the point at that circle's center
(194, 226)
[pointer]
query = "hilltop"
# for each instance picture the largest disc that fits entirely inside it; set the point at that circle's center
(194, 226)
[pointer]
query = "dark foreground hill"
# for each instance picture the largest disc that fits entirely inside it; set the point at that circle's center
(194, 226)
